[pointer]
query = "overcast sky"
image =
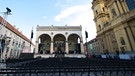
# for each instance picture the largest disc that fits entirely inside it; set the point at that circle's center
(30, 13)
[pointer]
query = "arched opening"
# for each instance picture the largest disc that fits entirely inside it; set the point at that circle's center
(59, 42)
(44, 44)
(74, 44)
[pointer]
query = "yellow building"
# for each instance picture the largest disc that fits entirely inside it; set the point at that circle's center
(115, 24)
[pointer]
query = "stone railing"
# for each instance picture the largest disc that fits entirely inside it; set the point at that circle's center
(57, 28)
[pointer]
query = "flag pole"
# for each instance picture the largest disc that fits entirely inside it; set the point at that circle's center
(86, 36)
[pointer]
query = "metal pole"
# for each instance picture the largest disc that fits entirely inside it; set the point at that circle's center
(31, 36)
(86, 33)
(86, 47)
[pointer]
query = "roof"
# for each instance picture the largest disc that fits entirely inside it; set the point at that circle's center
(14, 30)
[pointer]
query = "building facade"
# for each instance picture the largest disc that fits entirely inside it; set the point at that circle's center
(115, 24)
(93, 47)
(15, 40)
(50, 39)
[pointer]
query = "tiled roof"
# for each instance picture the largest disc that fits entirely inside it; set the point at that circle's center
(13, 29)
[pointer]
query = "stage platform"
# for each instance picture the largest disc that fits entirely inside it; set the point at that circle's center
(66, 55)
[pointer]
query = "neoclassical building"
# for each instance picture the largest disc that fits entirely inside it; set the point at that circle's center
(93, 47)
(16, 42)
(67, 38)
(115, 23)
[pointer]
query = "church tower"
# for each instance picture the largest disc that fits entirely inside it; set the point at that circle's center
(105, 34)
(115, 21)
(101, 16)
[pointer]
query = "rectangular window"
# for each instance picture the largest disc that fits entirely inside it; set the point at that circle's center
(11, 53)
(10, 33)
(113, 12)
(13, 42)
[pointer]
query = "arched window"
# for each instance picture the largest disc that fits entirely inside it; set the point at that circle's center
(130, 4)
(114, 12)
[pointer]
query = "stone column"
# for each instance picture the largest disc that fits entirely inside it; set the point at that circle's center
(8, 54)
(116, 8)
(51, 48)
(107, 42)
(37, 44)
(110, 42)
(120, 7)
(109, 10)
(19, 51)
(127, 40)
(125, 6)
(131, 39)
(67, 51)
(82, 47)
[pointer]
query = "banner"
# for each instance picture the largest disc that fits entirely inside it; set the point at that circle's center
(31, 34)
(86, 34)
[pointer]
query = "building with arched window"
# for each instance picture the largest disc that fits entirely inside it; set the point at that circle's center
(50, 39)
(15, 41)
(116, 18)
